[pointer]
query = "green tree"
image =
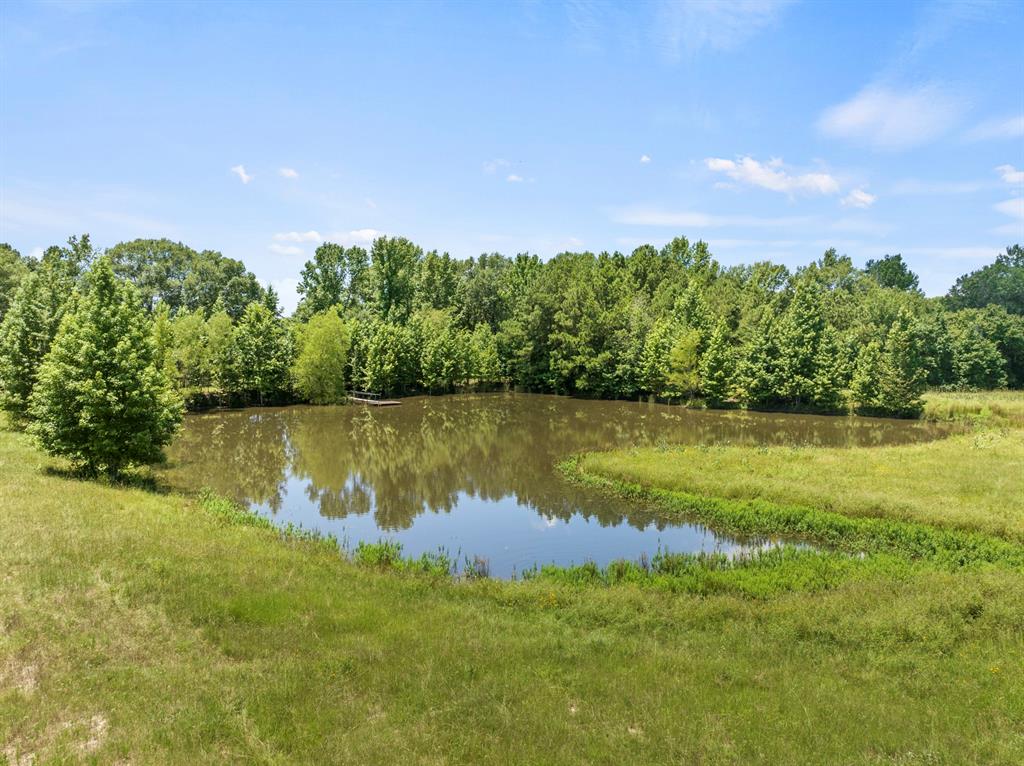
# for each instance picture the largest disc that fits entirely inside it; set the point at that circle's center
(391, 359)
(891, 271)
(395, 264)
(25, 336)
(865, 387)
(485, 363)
(13, 268)
(323, 280)
(716, 367)
(1000, 283)
(683, 377)
(100, 400)
(320, 365)
(903, 377)
(261, 355)
(218, 369)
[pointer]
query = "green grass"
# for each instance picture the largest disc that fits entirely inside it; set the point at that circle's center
(986, 407)
(972, 481)
(153, 628)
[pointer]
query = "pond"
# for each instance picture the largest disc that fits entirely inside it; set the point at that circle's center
(475, 474)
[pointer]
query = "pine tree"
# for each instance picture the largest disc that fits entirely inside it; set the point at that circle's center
(865, 388)
(799, 334)
(100, 400)
(24, 341)
(261, 354)
(903, 375)
(716, 367)
(830, 372)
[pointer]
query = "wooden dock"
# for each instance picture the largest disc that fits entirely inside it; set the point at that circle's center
(370, 398)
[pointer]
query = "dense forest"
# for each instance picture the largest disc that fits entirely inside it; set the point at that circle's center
(669, 323)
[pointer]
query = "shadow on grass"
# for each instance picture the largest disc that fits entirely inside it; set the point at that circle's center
(142, 478)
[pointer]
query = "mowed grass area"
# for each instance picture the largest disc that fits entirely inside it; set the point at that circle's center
(970, 481)
(138, 627)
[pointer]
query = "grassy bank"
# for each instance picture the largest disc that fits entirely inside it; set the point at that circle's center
(972, 481)
(145, 628)
(996, 408)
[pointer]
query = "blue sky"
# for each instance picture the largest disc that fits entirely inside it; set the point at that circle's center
(773, 130)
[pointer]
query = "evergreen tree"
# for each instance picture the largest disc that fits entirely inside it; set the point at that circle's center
(716, 367)
(485, 363)
(13, 269)
(903, 377)
(24, 341)
(100, 399)
(829, 373)
(261, 354)
(799, 334)
(865, 387)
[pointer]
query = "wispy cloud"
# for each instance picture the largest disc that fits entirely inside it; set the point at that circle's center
(644, 159)
(493, 166)
(688, 26)
(859, 198)
(890, 119)
(512, 178)
(1012, 207)
(288, 173)
(239, 170)
(1004, 127)
(299, 236)
(772, 176)
(1010, 174)
(280, 249)
(650, 216)
(357, 236)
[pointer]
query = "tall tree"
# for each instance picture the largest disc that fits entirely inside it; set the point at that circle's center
(13, 269)
(100, 400)
(322, 358)
(891, 271)
(395, 261)
(1000, 283)
(261, 354)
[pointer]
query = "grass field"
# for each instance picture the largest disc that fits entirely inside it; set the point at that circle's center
(988, 407)
(139, 627)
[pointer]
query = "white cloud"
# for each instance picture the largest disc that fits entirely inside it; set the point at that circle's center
(1010, 174)
(288, 173)
(1012, 207)
(514, 179)
(689, 25)
(890, 119)
(286, 249)
(771, 176)
(642, 216)
(492, 166)
(299, 236)
(356, 237)
(644, 159)
(1005, 127)
(239, 170)
(859, 198)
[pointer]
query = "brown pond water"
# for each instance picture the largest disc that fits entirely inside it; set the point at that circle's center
(474, 474)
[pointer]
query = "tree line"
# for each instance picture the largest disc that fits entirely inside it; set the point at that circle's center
(669, 323)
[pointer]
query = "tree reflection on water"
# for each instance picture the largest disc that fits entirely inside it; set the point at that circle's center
(399, 462)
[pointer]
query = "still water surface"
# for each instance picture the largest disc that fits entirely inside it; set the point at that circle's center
(474, 474)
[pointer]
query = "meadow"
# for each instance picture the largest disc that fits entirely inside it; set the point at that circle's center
(144, 626)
